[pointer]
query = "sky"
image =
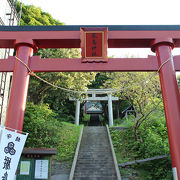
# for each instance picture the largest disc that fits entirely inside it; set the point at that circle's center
(111, 12)
(114, 12)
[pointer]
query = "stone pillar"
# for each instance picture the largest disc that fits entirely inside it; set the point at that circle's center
(77, 112)
(110, 110)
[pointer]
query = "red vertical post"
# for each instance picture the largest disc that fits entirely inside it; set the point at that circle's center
(85, 106)
(171, 99)
(19, 88)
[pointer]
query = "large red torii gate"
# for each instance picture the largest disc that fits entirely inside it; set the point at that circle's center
(161, 39)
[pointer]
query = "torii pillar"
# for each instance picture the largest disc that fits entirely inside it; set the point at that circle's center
(110, 109)
(77, 112)
(19, 86)
(171, 99)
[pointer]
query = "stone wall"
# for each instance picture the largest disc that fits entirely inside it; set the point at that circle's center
(60, 170)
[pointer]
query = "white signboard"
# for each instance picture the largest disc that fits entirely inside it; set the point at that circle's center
(11, 146)
(41, 169)
(24, 167)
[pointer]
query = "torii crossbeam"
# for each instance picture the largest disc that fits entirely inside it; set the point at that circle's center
(161, 39)
(93, 97)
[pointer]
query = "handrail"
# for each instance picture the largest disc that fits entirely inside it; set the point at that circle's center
(143, 160)
(76, 155)
(113, 155)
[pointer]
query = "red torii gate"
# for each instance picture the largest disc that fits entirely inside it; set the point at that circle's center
(161, 39)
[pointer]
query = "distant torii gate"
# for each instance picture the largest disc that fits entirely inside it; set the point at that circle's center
(161, 39)
(94, 92)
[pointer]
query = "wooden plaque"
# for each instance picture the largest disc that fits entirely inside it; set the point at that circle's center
(94, 44)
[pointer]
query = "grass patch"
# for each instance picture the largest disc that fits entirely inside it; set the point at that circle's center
(68, 138)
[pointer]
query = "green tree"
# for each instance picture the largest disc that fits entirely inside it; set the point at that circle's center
(100, 79)
(141, 89)
(32, 16)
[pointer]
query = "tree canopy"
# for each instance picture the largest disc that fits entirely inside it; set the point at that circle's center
(141, 89)
(40, 92)
(32, 16)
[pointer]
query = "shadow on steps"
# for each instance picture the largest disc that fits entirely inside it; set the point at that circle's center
(95, 120)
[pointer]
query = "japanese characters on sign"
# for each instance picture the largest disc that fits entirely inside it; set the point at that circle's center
(94, 44)
(41, 169)
(11, 146)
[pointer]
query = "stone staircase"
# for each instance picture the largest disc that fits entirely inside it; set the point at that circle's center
(95, 161)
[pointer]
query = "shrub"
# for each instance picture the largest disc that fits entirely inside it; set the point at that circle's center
(45, 131)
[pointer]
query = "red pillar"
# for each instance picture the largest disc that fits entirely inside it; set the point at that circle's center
(19, 88)
(171, 99)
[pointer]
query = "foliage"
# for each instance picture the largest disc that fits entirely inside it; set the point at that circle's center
(46, 131)
(153, 134)
(32, 16)
(153, 142)
(42, 125)
(123, 104)
(100, 79)
(66, 112)
(141, 90)
(156, 170)
(85, 119)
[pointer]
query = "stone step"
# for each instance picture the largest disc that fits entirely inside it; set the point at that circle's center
(96, 178)
(94, 173)
(106, 161)
(95, 160)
